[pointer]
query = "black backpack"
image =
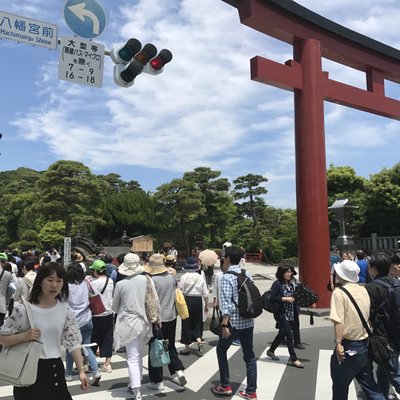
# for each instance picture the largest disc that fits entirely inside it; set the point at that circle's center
(250, 300)
(266, 302)
(392, 309)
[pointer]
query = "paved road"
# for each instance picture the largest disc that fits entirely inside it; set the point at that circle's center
(276, 380)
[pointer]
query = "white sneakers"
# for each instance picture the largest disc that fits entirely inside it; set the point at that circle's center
(136, 395)
(156, 386)
(95, 379)
(180, 378)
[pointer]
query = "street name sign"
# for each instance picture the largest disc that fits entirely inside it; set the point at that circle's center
(28, 30)
(86, 18)
(81, 61)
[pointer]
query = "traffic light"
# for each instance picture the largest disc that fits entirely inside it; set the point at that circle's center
(156, 64)
(131, 60)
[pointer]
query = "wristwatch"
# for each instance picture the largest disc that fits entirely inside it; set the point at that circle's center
(337, 341)
(224, 326)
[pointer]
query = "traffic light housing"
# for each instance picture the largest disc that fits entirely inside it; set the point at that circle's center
(156, 64)
(131, 60)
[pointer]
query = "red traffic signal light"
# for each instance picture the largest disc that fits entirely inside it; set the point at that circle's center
(131, 59)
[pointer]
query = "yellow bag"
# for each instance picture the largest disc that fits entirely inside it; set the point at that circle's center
(180, 304)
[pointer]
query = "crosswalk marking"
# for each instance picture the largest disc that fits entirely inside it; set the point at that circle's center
(199, 374)
(208, 364)
(324, 384)
(271, 374)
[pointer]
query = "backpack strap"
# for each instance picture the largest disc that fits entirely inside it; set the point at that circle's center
(2, 273)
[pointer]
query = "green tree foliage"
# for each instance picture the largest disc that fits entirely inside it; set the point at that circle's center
(216, 201)
(113, 182)
(52, 234)
(18, 181)
(132, 212)
(343, 183)
(68, 190)
(383, 203)
(29, 240)
(248, 187)
(180, 206)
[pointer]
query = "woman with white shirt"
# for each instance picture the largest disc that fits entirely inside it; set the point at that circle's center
(132, 326)
(194, 287)
(54, 324)
(103, 324)
(78, 301)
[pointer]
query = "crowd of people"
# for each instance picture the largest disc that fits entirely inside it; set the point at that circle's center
(138, 305)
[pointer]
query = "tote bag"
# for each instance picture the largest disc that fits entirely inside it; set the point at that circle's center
(95, 302)
(159, 355)
(180, 304)
(19, 363)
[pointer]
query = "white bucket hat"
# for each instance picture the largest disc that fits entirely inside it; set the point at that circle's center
(348, 270)
(131, 265)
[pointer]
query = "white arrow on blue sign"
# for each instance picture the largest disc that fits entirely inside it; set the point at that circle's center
(86, 18)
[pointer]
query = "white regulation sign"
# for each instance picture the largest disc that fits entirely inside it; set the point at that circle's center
(81, 61)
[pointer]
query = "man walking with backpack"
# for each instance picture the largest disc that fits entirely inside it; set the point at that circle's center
(384, 292)
(234, 326)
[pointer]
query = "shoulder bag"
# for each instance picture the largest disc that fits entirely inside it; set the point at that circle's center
(379, 347)
(95, 302)
(180, 304)
(304, 295)
(19, 363)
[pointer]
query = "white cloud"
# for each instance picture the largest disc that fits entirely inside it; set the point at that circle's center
(203, 110)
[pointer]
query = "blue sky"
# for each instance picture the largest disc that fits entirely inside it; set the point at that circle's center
(202, 111)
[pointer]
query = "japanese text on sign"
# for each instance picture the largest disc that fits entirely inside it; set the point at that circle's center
(81, 61)
(27, 30)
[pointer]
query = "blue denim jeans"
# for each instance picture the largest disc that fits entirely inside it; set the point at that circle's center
(389, 374)
(358, 366)
(246, 342)
(86, 332)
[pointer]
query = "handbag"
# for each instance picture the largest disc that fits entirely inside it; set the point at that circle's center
(19, 363)
(379, 347)
(304, 296)
(159, 354)
(95, 302)
(180, 304)
(215, 323)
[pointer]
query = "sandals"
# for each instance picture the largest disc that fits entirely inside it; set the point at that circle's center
(296, 364)
(184, 352)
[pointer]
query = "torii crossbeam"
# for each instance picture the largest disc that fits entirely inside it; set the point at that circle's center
(314, 37)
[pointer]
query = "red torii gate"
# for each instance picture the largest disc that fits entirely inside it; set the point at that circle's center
(314, 37)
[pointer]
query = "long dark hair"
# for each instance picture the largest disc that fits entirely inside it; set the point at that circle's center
(45, 271)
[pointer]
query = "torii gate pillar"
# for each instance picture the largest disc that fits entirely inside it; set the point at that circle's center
(311, 188)
(314, 37)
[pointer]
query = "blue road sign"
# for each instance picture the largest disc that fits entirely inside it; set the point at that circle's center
(86, 18)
